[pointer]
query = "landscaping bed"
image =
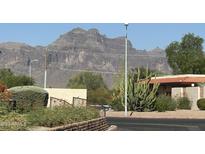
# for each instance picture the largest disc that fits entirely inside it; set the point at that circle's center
(24, 108)
(98, 124)
(47, 117)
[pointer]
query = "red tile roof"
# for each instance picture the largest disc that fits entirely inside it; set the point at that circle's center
(179, 79)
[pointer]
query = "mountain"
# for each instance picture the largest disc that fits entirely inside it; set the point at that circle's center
(75, 51)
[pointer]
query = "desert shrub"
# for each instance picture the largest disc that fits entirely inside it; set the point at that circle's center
(50, 117)
(29, 98)
(4, 108)
(183, 103)
(5, 96)
(12, 122)
(12, 80)
(201, 104)
(165, 103)
(117, 106)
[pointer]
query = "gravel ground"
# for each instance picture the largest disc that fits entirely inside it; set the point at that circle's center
(179, 114)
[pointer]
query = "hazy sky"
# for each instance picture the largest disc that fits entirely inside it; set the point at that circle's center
(142, 36)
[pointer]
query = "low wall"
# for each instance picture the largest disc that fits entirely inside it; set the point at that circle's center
(57, 102)
(193, 93)
(99, 124)
(67, 95)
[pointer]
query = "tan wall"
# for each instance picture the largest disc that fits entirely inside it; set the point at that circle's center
(177, 93)
(193, 93)
(66, 94)
(57, 102)
(203, 92)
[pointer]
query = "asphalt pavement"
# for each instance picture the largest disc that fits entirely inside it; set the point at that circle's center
(145, 124)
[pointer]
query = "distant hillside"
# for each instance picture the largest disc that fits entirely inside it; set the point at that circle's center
(79, 50)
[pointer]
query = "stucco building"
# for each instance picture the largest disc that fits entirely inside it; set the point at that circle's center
(189, 85)
(60, 96)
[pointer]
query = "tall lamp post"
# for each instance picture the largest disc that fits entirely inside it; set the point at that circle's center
(30, 63)
(126, 25)
(45, 73)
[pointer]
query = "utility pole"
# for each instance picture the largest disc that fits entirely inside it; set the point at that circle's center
(30, 63)
(30, 69)
(126, 25)
(45, 73)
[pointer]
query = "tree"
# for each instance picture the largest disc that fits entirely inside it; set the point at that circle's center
(87, 80)
(186, 56)
(12, 80)
(100, 96)
(98, 93)
(5, 97)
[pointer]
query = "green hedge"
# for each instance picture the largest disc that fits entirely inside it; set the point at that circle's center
(201, 104)
(183, 103)
(165, 103)
(28, 98)
(57, 116)
(4, 108)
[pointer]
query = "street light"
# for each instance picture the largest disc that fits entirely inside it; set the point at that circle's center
(30, 62)
(126, 25)
(45, 72)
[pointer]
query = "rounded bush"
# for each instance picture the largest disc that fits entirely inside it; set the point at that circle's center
(184, 103)
(165, 103)
(27, 98)
(201, 104)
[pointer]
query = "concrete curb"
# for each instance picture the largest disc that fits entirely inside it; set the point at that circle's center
(179, 114)
(158, 117)
(112, 128)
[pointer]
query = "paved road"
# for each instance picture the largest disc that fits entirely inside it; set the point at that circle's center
(139, 124)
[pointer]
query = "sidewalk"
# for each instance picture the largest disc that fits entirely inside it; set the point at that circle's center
(179, 114)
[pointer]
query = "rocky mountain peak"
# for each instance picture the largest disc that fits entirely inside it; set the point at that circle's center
(79, 38)
(15, 46)
(157, 50)
(93, 31)
(77, 31)
(76, 51)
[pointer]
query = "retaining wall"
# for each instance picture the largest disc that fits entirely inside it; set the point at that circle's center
(99, 124)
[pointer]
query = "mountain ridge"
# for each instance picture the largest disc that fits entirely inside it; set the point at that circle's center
(78, 50)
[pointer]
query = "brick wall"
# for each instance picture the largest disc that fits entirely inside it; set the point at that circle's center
(99, 124)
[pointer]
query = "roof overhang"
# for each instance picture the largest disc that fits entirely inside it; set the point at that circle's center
(187, 78)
